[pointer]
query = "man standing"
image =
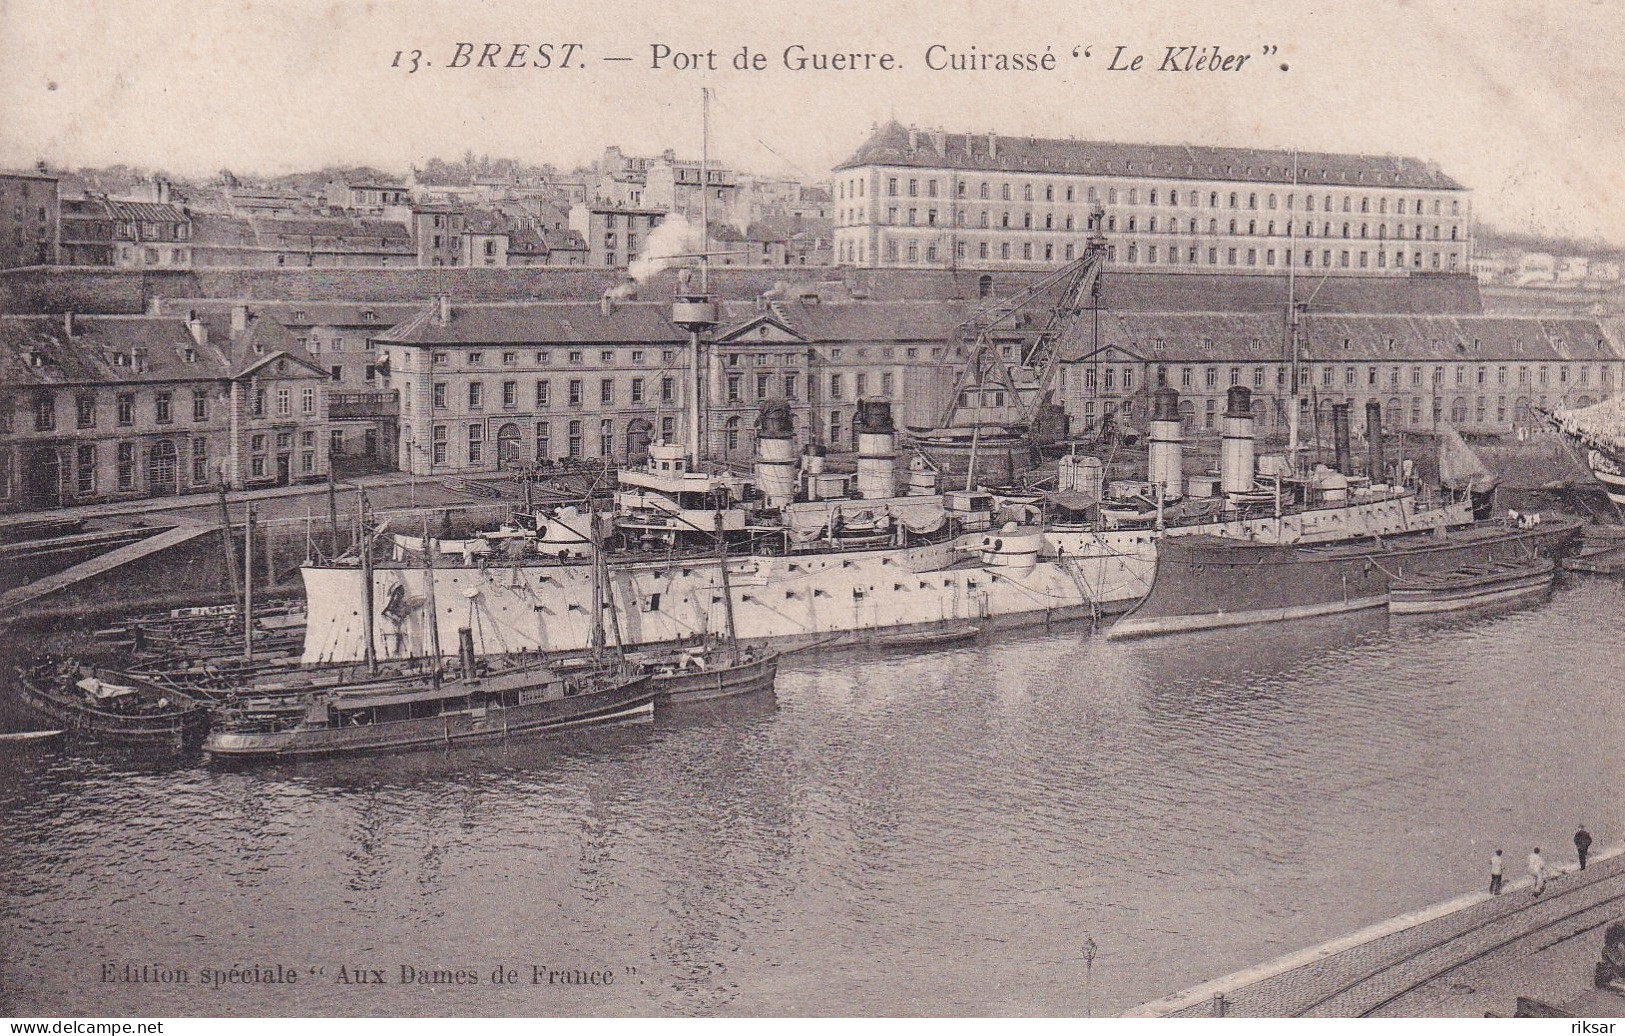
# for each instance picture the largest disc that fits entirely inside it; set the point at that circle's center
(1537, 870)
(1495, 873)
(1582, 845)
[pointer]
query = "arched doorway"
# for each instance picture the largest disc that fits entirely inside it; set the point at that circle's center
(638, 434)
(1187, 417)
(984, 286)
(161, 474)
(42, 478)
(508, 437)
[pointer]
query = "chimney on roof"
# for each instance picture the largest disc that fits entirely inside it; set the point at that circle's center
(939, 138)
(606, 303)
(442, 310)
(200, 331)
(992, 144)
(913, 137)
(155, 306)
(67, 323)
(139, 358)
(239, 319)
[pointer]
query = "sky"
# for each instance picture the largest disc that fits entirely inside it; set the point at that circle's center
(1518, 101)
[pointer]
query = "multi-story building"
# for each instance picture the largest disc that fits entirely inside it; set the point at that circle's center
(304, 241)
(365, 197)
(101, 408)
(932, 199)
(1484, 374)
(615, 235)
(363, 410)
(483, 387)
(29, 211)
(485, 240)
(438, 233)
(130, 235)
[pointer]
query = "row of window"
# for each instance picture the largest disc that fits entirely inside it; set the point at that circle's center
(1394, 411)
(544, 357)
(912, 187)
(543, 393)
(1108, 378)
(911, 251)
(1253, 228)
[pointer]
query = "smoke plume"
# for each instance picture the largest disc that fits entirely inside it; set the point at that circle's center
(674, 237)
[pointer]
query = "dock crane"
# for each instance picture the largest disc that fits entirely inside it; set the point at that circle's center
(1001, 399)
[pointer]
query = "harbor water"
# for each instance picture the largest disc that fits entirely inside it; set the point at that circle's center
(936, 833)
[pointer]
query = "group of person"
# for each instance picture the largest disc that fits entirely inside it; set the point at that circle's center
(1537, 863)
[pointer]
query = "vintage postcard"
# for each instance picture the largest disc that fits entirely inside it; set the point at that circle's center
(603, 509)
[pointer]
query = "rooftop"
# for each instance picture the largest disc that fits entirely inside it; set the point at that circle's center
(889, 145)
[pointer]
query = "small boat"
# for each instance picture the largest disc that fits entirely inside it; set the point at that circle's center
(1602, 559)
(26, 737)
(703, 674)
(935, 636)
(1470, 587)
(134, 711)
(487, 706)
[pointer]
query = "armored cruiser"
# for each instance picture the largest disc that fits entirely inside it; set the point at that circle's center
(821, 558)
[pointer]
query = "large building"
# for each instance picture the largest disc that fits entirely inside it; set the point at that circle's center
(1483, 374)
(130, 235)
(108, 408)
(615, 235)
(28, 220)
(917, 198)
(484, 387)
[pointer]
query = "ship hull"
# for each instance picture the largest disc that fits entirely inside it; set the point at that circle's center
(1446, 594)
(1609, 473)
(629, 702)
(795, 601)
(1208, 583)
(689, 687)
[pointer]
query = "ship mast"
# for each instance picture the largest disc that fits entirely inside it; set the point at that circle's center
(1292, 320)
(364, 543)
(695, 312)
(429, 549)
(727, 587)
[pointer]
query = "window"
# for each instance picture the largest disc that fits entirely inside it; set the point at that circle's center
(200, 405)
(126, 466)
(475, 359)
(606, 438)
(258, 408)
(575, 440)
(668, 390)
(510, 394)
(438, 439)
(440, 395)
(86, 462)
(476, 443)
(476, 395)
(200, 460)
(835, 386)
(606, 391)
(284, 402)
(543, 445)
(45, 412)
(575, 391)
(307, 401)
(126, 409)
(790, 385)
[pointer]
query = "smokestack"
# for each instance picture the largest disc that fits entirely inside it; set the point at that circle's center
(776, 454)
(1375, 464)
(239, 319)
(1166, 466)
(1340, 437)
(877, 456)
(465, 649)
(1236, 450)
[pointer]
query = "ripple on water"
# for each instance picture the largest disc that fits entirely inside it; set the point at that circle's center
(926, 833)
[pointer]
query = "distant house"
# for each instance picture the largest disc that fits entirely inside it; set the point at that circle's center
(29, 213)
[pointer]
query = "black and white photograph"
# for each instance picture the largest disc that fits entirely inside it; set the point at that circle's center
(666, 509)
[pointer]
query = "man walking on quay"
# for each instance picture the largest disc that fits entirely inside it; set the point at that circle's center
(1537, 870)
(1495, 873)
(1582, 845)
